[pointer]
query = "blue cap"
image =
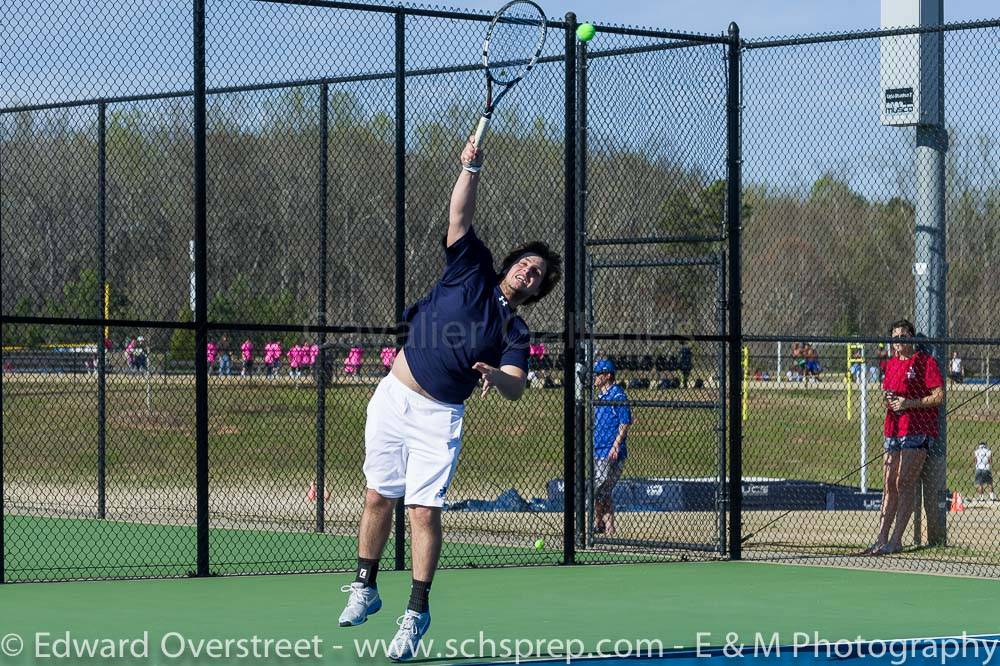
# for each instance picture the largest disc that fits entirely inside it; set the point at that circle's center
(604, 365)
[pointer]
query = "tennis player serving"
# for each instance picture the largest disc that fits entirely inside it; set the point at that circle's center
(464, 332)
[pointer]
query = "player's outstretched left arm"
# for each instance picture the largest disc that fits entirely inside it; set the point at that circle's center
(509, 380)
(463, 195)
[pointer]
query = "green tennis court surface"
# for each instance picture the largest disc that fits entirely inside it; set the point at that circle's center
(671, 603)
(82, 548)
(41, 548)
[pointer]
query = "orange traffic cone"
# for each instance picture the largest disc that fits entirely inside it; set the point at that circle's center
(957, 503)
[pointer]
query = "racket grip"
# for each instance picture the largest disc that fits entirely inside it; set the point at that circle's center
(484, 124)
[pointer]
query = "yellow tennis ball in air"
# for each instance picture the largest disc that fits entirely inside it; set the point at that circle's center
(539, 544)
(586, 32)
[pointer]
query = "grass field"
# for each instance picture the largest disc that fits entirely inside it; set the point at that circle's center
(263, 456)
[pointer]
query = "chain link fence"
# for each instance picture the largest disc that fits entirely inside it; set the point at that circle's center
(855, 218)
(205, 260)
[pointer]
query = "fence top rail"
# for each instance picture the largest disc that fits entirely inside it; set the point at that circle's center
(867, 34)
(302, 83)
(486, 17)
(870, 339)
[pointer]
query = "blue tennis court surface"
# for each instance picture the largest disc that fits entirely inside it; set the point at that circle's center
(962, 650)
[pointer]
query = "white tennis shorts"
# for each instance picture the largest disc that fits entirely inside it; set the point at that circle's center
(411, 444)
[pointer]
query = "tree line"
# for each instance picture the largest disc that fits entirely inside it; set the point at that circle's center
(819, 260)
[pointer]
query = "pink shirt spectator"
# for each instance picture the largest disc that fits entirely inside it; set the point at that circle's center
(247, 349)
(536, 350)
(388, 356)
(275, 350)
(313, 354)
(353, 361)
(294, 357)
(210, 351)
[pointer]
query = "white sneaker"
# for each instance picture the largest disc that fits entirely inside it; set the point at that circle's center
(364, 601)
(412, 627)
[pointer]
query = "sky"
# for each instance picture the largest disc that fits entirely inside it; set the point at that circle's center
(827, 94)
(756, 18)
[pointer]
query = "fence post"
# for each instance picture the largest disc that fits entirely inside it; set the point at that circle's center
(930, 271)
(735, 337)
(571, 326)
(102, 279)
(580, 427)
(400, 304)
(201, 291)
(324, 143)
(720, 369)
(3, 510)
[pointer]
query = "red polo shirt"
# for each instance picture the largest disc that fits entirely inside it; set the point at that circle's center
(912, 378)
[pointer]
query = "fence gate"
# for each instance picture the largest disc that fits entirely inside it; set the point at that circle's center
(653, 292)
(672, 489)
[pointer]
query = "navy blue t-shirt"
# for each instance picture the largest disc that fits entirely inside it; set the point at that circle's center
(463, 320)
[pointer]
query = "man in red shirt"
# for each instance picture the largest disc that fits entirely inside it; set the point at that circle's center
(914, 390)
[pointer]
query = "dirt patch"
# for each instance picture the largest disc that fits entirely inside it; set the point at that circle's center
(166, 423)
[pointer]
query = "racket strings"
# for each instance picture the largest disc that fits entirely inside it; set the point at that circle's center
(515, 41)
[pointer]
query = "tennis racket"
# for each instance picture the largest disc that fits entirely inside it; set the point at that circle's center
(513, 43)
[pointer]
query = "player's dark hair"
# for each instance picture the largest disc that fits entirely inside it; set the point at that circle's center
(906, 324)
(553, 266)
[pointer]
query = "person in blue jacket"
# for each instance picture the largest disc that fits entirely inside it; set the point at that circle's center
(611, 423)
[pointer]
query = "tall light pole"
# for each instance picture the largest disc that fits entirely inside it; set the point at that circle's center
(912, 86)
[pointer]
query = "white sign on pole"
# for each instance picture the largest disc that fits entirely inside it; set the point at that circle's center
(909, 65)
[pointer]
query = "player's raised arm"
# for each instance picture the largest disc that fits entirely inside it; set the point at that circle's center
(463, 196)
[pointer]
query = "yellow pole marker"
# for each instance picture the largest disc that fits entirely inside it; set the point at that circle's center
(107, 305)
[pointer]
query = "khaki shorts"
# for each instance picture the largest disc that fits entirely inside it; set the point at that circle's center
(606, 475)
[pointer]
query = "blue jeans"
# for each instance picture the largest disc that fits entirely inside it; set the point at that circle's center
(908, 442)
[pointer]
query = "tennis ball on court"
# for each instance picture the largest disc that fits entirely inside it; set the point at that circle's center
(539, 544)
(586, 32)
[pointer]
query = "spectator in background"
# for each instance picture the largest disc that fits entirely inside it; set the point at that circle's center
(246, 351)
(874, 369)
(129, 352)
(611, 423)
(387, 355)
(536, 356)
(798, 363)
(225, 357)
(857, 364)
(914, 390)
(294, 360)
(210, 352)
(353, 361)
(272, 358)
(686, 362)
(812, 362)
(141, 355)
(955, 370)
(983, 459)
